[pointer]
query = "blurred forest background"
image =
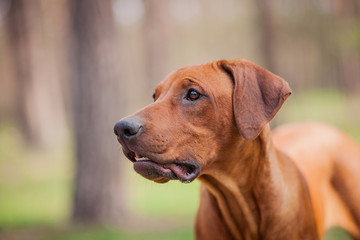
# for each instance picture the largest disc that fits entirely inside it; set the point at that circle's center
(69, 69)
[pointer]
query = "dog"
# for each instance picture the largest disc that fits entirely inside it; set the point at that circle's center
(211, 122)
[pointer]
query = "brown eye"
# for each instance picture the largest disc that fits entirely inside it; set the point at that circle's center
(193, 95)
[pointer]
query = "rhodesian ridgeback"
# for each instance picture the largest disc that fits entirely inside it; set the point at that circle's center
(211, 122)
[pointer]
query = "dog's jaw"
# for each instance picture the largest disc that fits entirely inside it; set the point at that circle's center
(155, 167)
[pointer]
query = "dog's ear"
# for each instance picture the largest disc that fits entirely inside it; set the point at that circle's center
(258, 95)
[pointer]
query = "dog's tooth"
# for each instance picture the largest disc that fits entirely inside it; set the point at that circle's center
(142, 159)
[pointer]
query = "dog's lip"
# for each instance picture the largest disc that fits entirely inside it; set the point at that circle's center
(131, 156)
(185, 171)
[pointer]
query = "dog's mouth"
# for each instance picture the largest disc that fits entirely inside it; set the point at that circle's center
(160, 171)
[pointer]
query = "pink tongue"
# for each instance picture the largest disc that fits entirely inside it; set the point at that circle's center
(177, 170)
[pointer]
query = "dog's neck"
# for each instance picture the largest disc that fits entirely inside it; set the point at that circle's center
(241, 184)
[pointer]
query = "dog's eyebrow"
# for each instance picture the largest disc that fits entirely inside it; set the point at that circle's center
(189, 80)
(195, 80)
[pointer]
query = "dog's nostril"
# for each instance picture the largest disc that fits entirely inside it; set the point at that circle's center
(127, 132)
(130, 132)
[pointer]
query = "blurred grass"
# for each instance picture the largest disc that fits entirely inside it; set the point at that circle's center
(114, 234)
(35, 186)
(326, 105)
(172, 200)
(337, 233)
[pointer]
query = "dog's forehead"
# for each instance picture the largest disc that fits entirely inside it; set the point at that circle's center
(207, 75)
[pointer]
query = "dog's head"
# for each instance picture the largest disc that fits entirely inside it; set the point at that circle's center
(199, 111)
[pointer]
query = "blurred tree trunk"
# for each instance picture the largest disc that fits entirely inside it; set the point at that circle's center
(267, 33)
(348, 50)
(7, 101)
(38, 87)
(349, 69)
(19, 44)
(157, 37)
(98, 192)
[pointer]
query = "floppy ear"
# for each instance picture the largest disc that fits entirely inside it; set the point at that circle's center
(258, 95)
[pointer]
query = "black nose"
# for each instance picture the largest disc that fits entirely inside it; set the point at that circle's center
(128, 128)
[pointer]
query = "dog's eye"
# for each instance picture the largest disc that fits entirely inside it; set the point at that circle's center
(193, 95)
(153, 96)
